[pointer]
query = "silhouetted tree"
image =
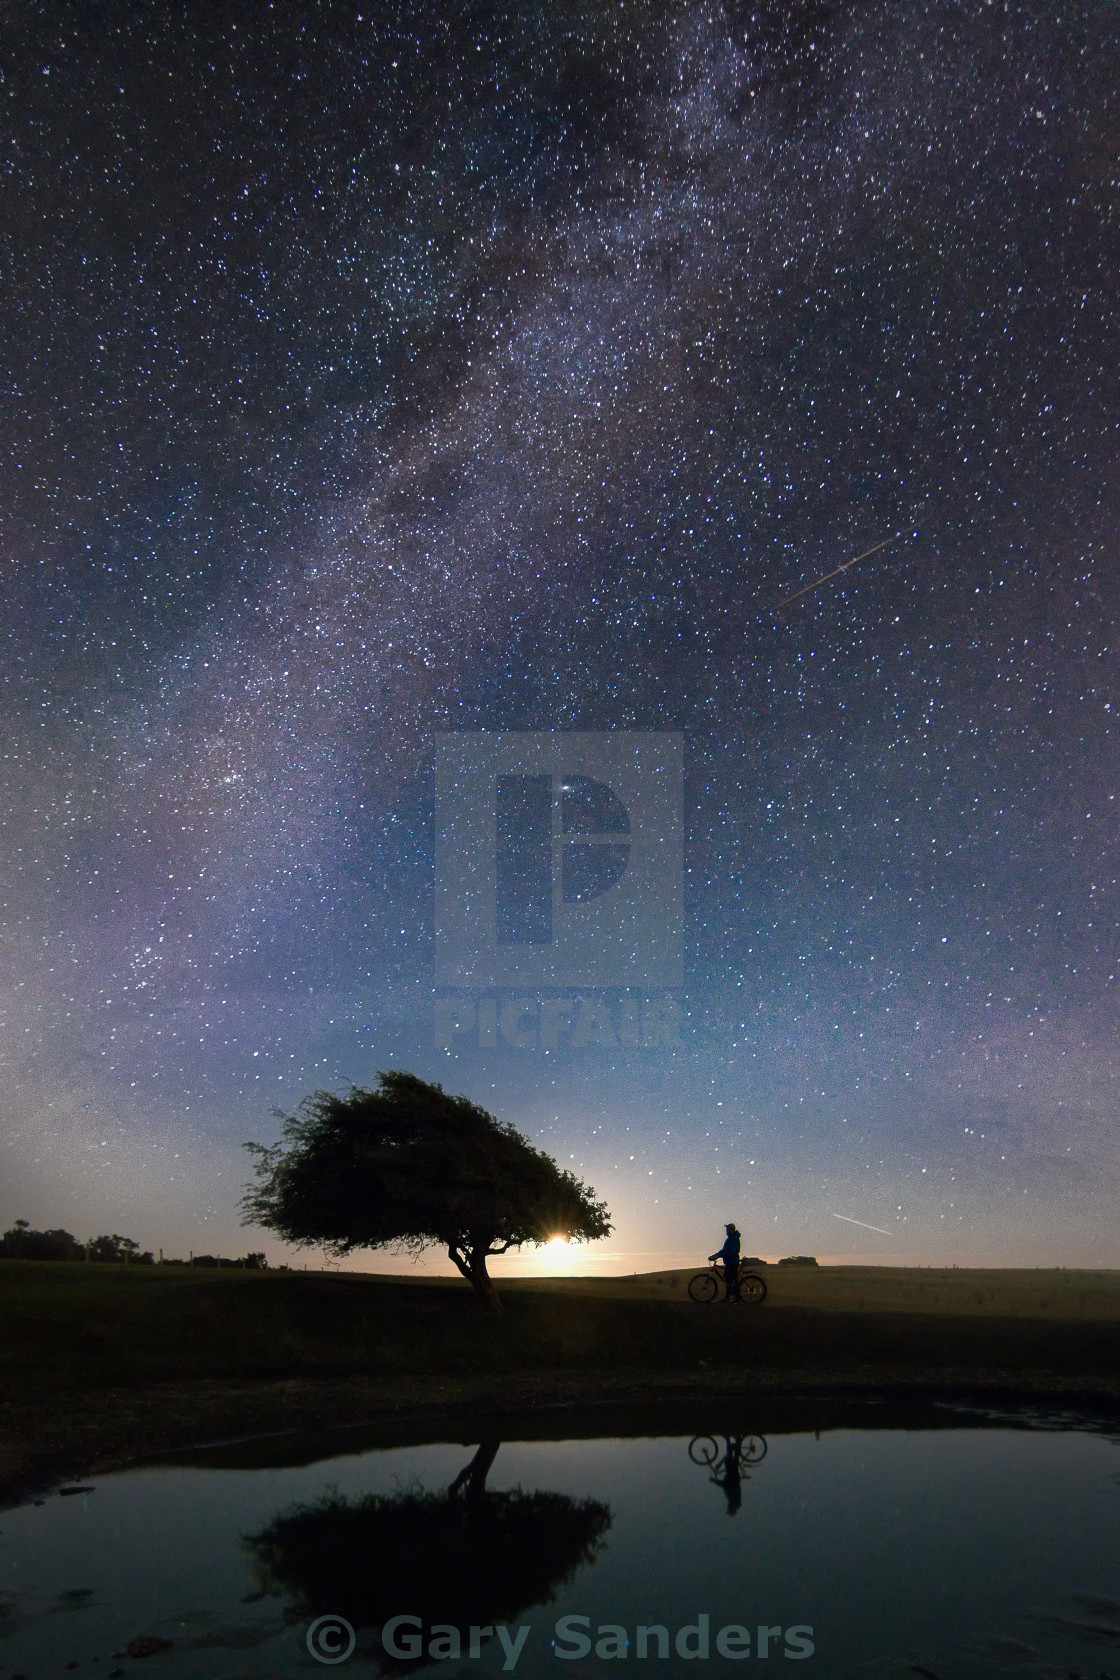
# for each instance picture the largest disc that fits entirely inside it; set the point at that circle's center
(121, 1250)
(22, 1243)
(461, 1558)
(407, 1166)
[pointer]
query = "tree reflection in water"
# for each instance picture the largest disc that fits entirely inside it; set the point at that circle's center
(464, 1557)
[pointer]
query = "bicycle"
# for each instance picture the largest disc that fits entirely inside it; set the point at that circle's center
(705, 1286)
(747, 1449)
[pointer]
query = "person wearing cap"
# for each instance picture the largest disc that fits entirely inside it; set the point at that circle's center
(729, 1255)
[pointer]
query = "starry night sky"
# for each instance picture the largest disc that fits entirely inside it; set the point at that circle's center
(377, 370)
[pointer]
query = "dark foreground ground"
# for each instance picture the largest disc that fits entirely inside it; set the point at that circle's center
(101, 1364)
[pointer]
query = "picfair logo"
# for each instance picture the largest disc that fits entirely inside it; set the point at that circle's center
(559, 859)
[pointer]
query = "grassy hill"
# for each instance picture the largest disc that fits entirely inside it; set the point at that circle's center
(1006, 1293)
(75, 1326)
(99, 1363)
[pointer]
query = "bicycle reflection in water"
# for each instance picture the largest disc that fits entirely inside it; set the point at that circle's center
(726, 1467)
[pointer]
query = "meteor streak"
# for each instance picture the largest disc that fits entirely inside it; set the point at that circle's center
(863, 1222)
(797, 594)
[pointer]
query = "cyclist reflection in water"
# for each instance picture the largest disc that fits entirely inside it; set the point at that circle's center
(726, 1469)
(732, 1479)
(729, 1255)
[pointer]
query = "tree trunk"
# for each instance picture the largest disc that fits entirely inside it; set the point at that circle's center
(471, 1261)
(472, 1478)
(483, 1285)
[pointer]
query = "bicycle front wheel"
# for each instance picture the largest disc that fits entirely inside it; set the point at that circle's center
(703, 1287)
(752, 1289)
(703, 1450)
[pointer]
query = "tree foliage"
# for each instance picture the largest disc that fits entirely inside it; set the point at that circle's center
(118, 1250)
(22, 1243)
(406, 1166)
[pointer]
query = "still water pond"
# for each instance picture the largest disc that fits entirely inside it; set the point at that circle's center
(983, 1548)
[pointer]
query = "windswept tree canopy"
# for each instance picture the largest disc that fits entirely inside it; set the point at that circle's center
(407, 1166)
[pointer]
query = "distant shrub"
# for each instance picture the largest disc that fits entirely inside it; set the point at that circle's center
(118, 1251)
(798, 1260)
(751, 1260)
(22, 1243)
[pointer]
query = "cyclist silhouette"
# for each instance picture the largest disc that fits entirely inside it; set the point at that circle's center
(729, 1255)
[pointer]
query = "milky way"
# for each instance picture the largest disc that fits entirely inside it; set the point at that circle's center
(377, 373)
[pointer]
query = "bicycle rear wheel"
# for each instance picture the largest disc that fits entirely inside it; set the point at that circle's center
(752, 1289)
(703, 1287)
